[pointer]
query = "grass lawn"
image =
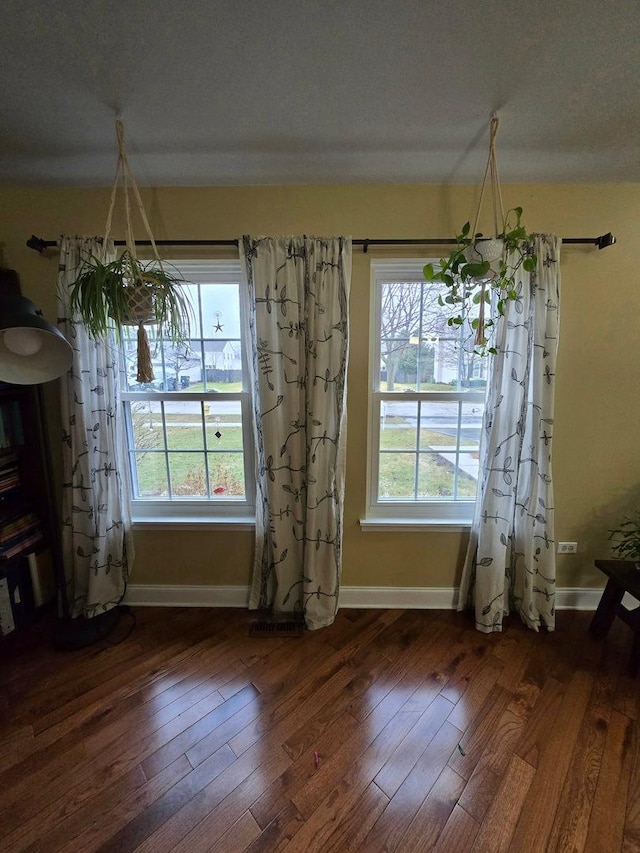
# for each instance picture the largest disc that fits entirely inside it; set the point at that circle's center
(424, 386)
(187, 459)
(228, 387)
(397, 477)
(186, 454)
(435, 475)
(405, 438)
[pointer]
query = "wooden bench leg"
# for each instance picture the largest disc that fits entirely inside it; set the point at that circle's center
(607, 608)
(633, 620)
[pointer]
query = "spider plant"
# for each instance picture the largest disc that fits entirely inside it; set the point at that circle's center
(128, 291)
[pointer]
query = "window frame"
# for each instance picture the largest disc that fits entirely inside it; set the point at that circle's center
(445, 515)
(199, 511)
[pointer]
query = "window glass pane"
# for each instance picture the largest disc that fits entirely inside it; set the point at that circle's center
(224, 425)
(467, 483)
(223, 365)
(151, 475)
(192, 448)
(188, 475)
(184, 425)
(428, 448)
(221, 332)
(398, 424)
(129, 350)
(436, 475)
(210, 360)
(441, 431)
(396, 476)
(146, 417)
(176, 366)
(471, 423)
(193, 292)
(226, 471)
(399, 320)
(438, 423)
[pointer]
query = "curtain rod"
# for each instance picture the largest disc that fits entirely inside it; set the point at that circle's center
(601, 242)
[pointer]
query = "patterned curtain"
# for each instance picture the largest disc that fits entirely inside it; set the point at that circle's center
(96, 525)
(510, 564)
(298, 327)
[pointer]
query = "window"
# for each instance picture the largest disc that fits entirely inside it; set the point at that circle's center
(426, 404)
(189, 431)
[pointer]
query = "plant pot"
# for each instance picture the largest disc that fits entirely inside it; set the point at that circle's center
(485, 250)
(140, 305)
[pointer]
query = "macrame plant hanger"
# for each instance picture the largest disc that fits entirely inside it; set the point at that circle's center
(138, 290)
(491, 172)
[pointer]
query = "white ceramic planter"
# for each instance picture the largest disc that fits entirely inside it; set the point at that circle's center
(485, 250)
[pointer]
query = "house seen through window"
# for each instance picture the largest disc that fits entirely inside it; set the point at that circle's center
(188, 431)
(426, 401)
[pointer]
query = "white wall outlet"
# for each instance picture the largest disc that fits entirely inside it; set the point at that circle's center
(567, 548)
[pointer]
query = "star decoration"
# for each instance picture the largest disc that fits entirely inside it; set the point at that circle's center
(218, 327)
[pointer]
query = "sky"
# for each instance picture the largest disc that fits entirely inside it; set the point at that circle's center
(220, 304)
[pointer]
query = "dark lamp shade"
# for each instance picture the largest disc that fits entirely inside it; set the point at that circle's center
(31, 349)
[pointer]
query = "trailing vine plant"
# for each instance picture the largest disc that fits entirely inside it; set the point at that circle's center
(480, 273)
(474, 284)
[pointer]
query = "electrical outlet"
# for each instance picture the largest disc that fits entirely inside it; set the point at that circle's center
(567, 547)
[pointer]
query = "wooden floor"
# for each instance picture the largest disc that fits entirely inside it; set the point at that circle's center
(391, 730)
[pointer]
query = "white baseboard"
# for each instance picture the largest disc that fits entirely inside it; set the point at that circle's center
(186, 596)
(406, 597)
(420, 597)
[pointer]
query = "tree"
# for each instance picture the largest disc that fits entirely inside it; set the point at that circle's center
(409, 310)
(416, 362)
(177, 358)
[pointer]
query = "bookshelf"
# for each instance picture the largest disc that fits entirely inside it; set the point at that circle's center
(27, 517)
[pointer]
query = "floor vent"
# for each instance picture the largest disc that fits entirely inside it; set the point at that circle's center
(265, 628)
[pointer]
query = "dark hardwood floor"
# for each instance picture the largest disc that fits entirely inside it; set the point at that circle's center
(391, 730)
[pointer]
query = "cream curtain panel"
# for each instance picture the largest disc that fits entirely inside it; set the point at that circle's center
(96, 525)
(510, 564)
(299, 332)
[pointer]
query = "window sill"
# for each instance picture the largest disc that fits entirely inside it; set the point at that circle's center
(177, 522)
(414, 525)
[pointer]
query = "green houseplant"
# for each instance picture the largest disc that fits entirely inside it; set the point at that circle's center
(481, 271)
(113, 294)
(627, 540)
(129, 292)
(475, 279)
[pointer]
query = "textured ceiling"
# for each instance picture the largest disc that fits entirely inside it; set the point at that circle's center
(319, 91)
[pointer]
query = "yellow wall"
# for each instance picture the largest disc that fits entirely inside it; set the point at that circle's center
(596, 461)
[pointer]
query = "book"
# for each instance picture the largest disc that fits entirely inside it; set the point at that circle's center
(19, 547)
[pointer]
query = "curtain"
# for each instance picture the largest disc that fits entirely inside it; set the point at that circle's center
(298, 328)
(96, 525)
(510, 563)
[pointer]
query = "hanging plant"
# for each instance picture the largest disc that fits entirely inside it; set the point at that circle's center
(481, 273)
(128, 292)
(111, 295)
(476, 280)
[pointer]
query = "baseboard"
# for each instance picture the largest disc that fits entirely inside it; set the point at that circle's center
(402, 597)
(155, 595)
(421, 597)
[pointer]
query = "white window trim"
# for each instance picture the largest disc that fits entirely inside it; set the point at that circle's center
(433, 515)
(199, 513)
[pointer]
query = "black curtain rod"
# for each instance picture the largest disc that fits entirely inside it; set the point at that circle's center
(601, 242)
